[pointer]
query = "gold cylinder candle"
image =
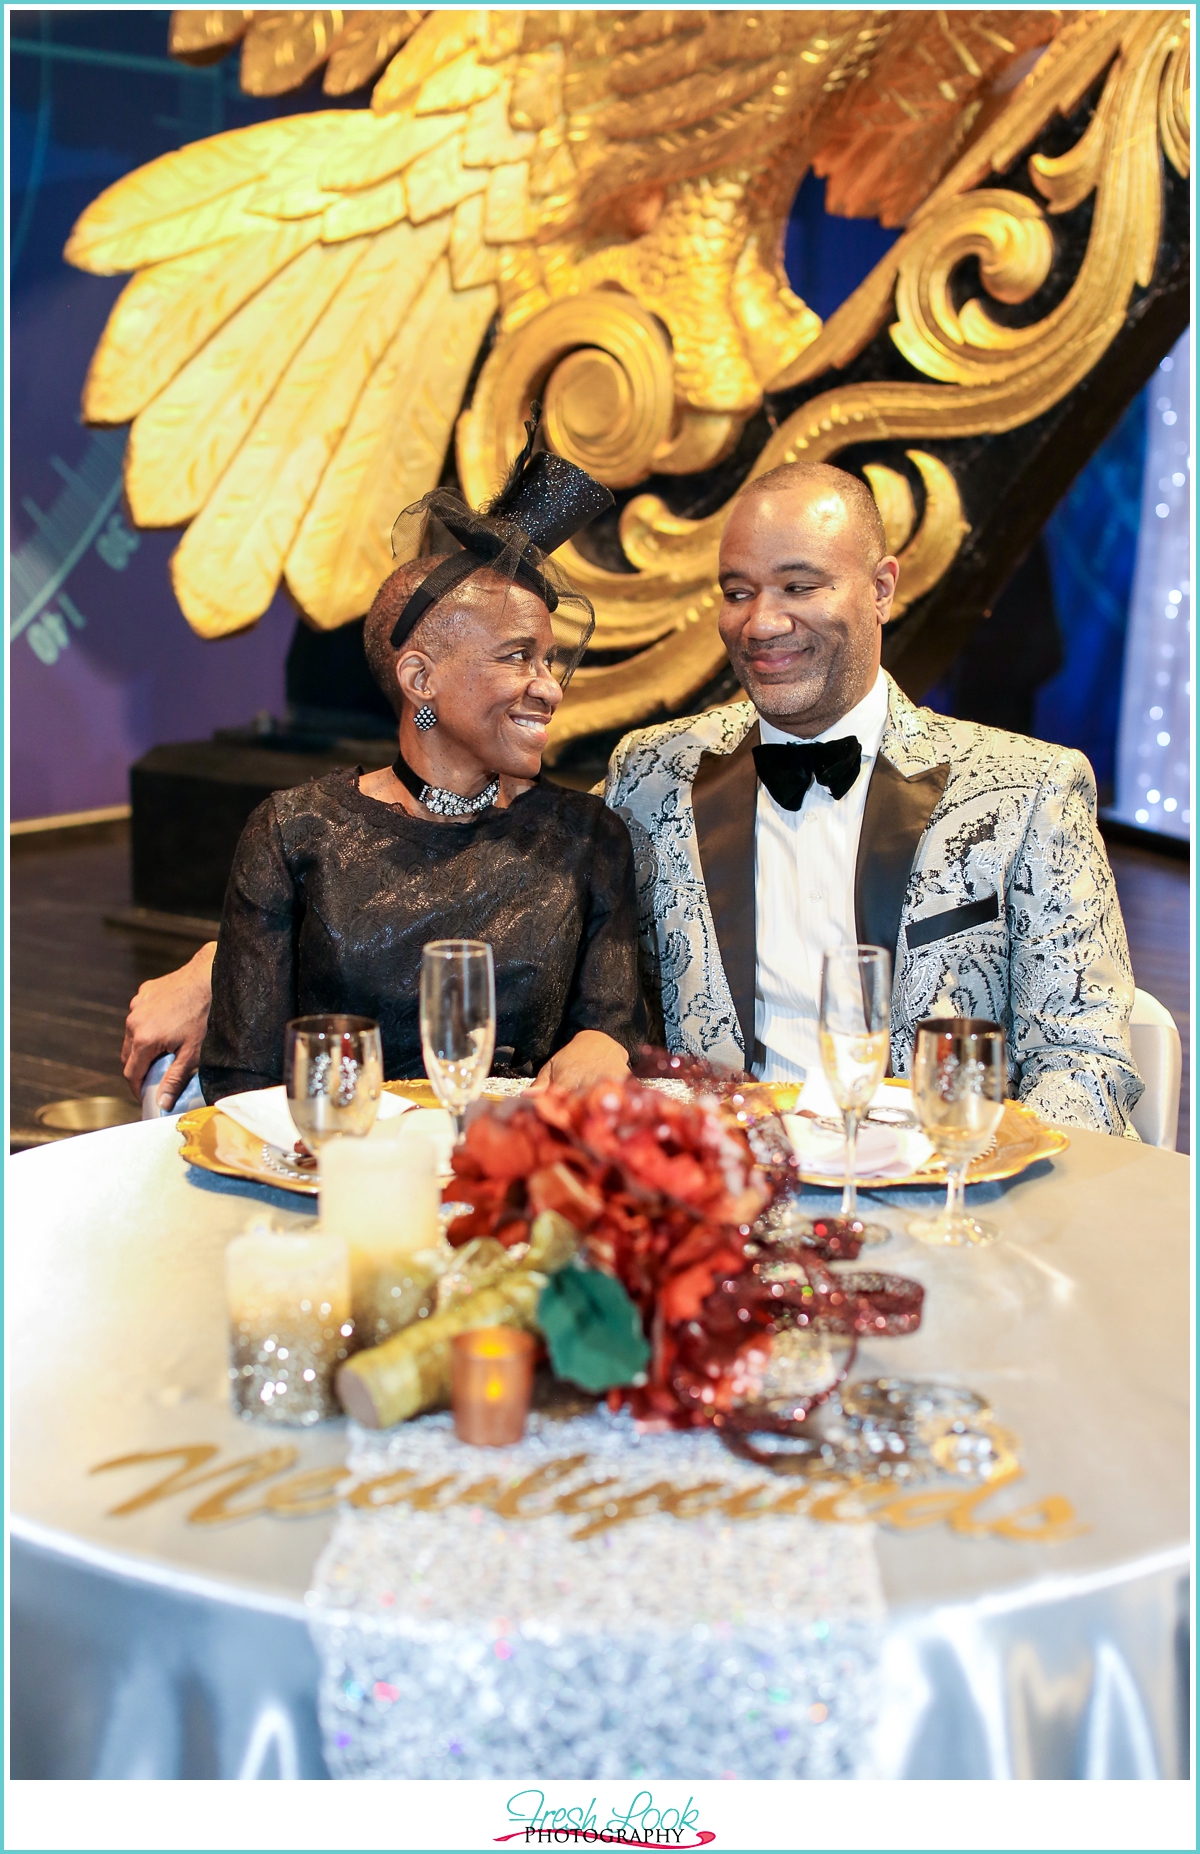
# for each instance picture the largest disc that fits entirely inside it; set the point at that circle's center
(290, 1328)
(411, 1371)
(492, 1377)
(382, 1197)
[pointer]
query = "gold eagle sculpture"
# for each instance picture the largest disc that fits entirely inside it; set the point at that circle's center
(598, 198)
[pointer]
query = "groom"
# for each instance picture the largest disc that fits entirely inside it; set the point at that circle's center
(827, 809)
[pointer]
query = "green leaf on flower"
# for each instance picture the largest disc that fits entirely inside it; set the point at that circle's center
(592, 1329)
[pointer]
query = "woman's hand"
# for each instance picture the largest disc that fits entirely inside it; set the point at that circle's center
(589, 1057)
(169, 1015)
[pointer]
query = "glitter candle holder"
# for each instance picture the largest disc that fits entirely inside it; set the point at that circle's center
(382, 1198)
(289, 1320)
(491, 1382)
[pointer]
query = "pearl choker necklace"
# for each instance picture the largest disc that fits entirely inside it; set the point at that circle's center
(437, 799)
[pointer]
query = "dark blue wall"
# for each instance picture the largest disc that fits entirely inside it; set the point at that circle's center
(826, 257)
(1091, 539)
(102, 664)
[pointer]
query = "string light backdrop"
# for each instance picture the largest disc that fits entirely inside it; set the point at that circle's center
(1154, 787)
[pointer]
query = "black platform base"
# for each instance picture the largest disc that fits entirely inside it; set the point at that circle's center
(190, 801)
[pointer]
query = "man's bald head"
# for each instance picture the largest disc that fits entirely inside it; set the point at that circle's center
(827, 479)
(807, 585)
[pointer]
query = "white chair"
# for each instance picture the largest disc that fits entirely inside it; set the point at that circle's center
(1158, 1053)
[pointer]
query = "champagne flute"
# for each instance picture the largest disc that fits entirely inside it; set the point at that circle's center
(856, 1010)
(959, 1083)
(333, 1073)
(458, 1021)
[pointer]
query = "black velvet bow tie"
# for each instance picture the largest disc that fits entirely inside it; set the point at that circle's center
(787, 772)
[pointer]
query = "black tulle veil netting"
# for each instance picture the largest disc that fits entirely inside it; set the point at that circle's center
(544, 502)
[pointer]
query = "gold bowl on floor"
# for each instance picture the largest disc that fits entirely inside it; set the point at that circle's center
(89, 1113)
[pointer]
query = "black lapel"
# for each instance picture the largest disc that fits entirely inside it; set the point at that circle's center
(724, 796)
(894, 820)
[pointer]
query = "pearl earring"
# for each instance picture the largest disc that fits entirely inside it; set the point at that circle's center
(425, 718)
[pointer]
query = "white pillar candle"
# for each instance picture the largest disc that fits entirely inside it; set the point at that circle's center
(382, 1197)
(380, 1194)
(428, 1123)
(290, 1328)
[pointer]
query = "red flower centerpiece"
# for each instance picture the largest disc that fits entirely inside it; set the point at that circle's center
(664, 1195)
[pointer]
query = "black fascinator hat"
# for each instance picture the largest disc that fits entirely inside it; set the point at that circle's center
(544, 501)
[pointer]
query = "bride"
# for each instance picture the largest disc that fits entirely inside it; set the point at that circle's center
(337, 885)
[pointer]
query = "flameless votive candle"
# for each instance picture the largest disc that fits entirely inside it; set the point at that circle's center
(382, 1198)
(289, 1318)
(491, 1381)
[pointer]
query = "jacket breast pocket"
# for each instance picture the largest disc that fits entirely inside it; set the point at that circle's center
(954, 920)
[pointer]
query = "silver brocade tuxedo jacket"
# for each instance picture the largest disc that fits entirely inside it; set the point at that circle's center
(979, 866)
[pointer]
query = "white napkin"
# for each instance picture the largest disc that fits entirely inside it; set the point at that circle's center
(815, 1097)
(819, 1149)
(881, 1149)
(263, 1112)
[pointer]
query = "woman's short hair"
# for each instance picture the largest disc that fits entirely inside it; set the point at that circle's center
(432, 633)
(394, 594)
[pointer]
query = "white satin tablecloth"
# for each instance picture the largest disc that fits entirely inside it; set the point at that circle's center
(172, 1638)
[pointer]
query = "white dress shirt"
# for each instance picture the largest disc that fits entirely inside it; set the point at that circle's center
(804, 894)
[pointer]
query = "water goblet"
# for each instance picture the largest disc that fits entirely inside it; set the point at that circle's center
(855, 1031)
(333, 1073)
(959, 1082)
(458, 1021)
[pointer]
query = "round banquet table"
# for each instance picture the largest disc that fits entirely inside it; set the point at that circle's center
(144, 1644)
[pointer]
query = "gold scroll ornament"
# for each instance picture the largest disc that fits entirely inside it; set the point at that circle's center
(610, 187)
(311, 293)
(991, 377)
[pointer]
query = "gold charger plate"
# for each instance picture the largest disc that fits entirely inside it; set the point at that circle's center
(215, 1143)
(1021, 1140)
(420, 1092)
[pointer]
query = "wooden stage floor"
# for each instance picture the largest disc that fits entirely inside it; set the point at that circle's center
(73, 974)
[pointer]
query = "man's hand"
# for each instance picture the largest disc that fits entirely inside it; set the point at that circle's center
(589, 1057)
(169, 1013)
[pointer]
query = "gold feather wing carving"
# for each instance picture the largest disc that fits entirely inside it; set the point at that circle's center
(310, 294)
(309, 300)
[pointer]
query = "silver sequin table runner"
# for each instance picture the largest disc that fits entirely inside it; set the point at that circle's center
(606, 1605)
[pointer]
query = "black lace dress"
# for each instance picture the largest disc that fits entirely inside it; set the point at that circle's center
(333, 895)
